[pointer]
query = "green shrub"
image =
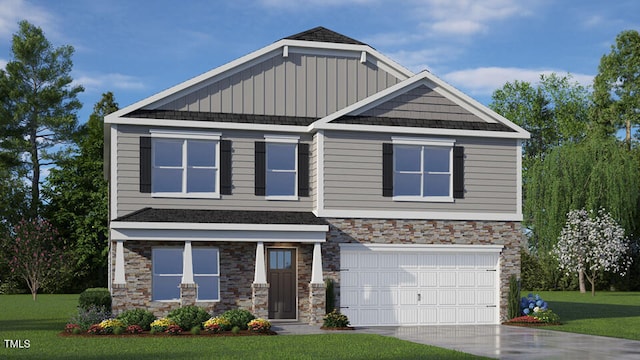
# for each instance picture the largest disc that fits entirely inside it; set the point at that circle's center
(546, 316)
(95, 296)
(235, 329)
(89, 316)
(196, 330)
(189, 316)
(238, 317)
(330, 303)
(118, 330)
(513, 309)
(335, 319)
(140, 317)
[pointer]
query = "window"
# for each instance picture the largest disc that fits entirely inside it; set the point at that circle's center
(281, 176)
(167, 273)
(281, 168)
(422, 170)
(206, 273)
(185, 166)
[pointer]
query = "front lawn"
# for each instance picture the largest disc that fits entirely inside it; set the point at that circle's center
(614, 314)
(41, 322)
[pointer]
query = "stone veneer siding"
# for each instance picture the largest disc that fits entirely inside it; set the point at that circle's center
(237, 268)
(384, 231)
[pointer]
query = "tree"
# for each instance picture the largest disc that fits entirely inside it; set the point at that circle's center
(595, 173)
(34, 254)
(617, 85)
(591, 243)
(38, 106)
(77, 198)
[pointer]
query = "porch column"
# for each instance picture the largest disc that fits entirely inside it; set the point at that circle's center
(316, 267)
(119, 275)
(187, 264)
(260, 275)
(260, 288)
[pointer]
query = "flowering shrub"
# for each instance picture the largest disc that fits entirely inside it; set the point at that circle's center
(525, 320)
(259, 325)
(69, 328)
(238, 317)
(217, 324)
(532, 304)
(173, 330)
(111, 324)
(547, 316)
(335, 319)
(161, 324)
(95, 329)
(134, 329)
(89, 316)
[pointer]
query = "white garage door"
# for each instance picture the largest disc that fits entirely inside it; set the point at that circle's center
(419, 284)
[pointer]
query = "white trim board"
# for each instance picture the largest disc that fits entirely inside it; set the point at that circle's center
(217, 226)
(218, 235)
(417, 215)
(422, 247)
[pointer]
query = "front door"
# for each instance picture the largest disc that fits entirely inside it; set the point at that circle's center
(282, 283)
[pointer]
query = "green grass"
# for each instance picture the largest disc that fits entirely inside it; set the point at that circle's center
(613, 314)
(41, 322)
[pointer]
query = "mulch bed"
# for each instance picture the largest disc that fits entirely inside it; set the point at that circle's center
(185, 333)
(338, 328)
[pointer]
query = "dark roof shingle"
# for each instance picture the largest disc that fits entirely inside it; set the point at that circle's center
(322, 34)
(423, 123)
(223, 217)
(221, 117)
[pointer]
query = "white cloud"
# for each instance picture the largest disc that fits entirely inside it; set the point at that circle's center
(13, 11)
(112, 81)
(3, 63)
(305, 4)
(485, 80)
(424, 59)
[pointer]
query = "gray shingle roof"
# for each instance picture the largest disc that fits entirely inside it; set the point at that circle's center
(221, 117)
(323, 34)
(222, 217)
(423, 123)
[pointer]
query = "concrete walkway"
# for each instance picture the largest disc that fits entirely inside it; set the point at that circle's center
(498, 341)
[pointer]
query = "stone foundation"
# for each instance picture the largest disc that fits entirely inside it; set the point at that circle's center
(188, 294)
(260, 297)
(317, 301)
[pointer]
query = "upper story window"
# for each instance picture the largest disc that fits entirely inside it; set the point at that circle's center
(185, 165)
(422, 170)
(281, 168)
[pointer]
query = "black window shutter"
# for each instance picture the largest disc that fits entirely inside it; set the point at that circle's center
(145, 164)
(260, 168)
(387, 169)
(225, 167)
(458, 172)
(303, 169)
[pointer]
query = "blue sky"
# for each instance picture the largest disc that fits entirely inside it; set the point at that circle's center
(138, 48)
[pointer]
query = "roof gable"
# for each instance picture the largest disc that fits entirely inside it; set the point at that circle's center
(322, 34)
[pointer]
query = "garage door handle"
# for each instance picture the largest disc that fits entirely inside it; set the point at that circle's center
(491, 306)
(419, 297)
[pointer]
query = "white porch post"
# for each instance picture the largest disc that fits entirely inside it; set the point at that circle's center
(187, 264)
(119, 275)
(316, 267)
(260, 276)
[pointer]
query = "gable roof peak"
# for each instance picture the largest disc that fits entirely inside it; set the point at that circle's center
(322, 34)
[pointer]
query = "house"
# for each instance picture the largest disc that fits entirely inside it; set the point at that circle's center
(313, 158)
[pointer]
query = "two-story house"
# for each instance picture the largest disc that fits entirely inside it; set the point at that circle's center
(315, 157)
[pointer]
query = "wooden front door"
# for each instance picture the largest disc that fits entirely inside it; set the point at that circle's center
(282, 283)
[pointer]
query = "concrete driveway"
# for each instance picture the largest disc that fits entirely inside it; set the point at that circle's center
(499, 341)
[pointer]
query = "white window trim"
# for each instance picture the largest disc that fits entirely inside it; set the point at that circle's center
(209, 275)
(282, 139)
(426, 142)
(153, 274)
(185, 136)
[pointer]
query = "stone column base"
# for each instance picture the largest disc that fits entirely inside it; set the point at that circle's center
(317, 301)
(118, 298)
(188, 294)
(260, 300)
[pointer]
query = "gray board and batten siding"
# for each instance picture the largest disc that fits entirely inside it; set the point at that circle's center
(130, 199)
(306, 85)
(353, 175)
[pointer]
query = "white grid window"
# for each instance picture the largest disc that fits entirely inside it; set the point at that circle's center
(422, 172)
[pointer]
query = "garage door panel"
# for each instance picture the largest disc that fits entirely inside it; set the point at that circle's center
(447, 261)
(447, 297)
(486, 261)
(466, 279)
(389, 278)
(388, 261)
(447, 315)
(407, 279)
(466, 261)
(409, 316)
(466, 297)
(348, 278)
(369, 261)
(428, 297)
(485, 297)
(349, 297)
(388, 298)
(428, 261)
(408, 261)
(369, 297)
(368, 278)
(427, 279)
(447, 279)
(466, 316)
(428, 316)
(486, 278)
(408, 297)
